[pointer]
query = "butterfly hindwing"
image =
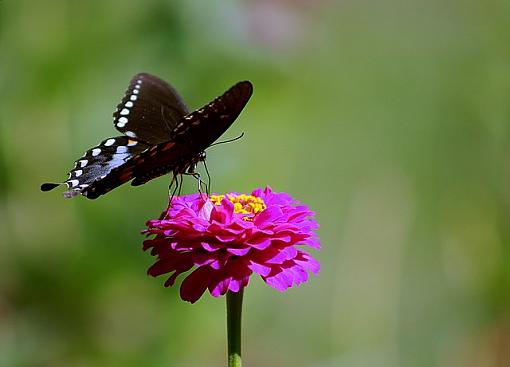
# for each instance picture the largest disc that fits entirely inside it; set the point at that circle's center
(153, 162)
(150, 109)
(98, 161)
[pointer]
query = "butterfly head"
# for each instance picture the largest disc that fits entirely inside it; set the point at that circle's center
(192, 166)
(201, 156)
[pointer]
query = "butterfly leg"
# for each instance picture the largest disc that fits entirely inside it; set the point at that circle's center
(172, 189)
(172, 182)
(197, 176)
(200, 184)
(208, 186)
(180, 185)
(203, 188)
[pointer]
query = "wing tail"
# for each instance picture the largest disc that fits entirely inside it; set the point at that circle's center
(48, 186)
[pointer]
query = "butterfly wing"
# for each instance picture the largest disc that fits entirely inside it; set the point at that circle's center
(150, 110)
(151, 163)
(98, 162)
(202, 127)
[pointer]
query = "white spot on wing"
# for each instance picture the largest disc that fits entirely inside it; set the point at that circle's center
(109, 142)
(136, 91)
(133, 97)
(96, 151)
(121, 149)
(73, 183)
(124, 111)
(83, 162)
(130, 134)
(129, 104)
(78, 172)
(122, 122)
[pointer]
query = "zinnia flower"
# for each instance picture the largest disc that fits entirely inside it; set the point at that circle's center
(228, 237)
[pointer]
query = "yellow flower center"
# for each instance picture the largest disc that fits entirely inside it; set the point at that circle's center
(244, 204)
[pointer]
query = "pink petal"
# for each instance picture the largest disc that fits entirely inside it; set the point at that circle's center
(283, 255)
(279, 280)
(308, 262)
(260, 269)
(220, 287)
(205, 210)
(268, 215)
(238, 251)
(260, 243)
(237, 284)
(195, 284)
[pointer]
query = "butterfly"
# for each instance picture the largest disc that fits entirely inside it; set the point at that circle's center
(159, 135)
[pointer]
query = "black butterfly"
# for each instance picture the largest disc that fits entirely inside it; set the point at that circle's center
(160, 136)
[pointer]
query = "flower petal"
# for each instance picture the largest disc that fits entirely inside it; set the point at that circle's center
(269, 215)
(260, 269)
(195, 284)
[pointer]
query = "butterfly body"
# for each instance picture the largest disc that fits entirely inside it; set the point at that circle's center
(160, 136)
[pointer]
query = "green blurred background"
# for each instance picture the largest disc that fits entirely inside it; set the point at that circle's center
(389, 118)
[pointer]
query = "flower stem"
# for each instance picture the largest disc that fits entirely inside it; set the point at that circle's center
(234, 308)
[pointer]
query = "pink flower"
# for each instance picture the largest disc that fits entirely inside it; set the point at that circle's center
(228, 237)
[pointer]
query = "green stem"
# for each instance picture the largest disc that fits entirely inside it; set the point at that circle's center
(234, 308)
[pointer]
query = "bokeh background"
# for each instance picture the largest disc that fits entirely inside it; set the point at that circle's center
(389, 118)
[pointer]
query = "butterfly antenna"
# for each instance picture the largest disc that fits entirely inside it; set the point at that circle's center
(228, 141)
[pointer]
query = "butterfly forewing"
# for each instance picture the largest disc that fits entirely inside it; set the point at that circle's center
(203, 126)
(150, 109)
(151, 163)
